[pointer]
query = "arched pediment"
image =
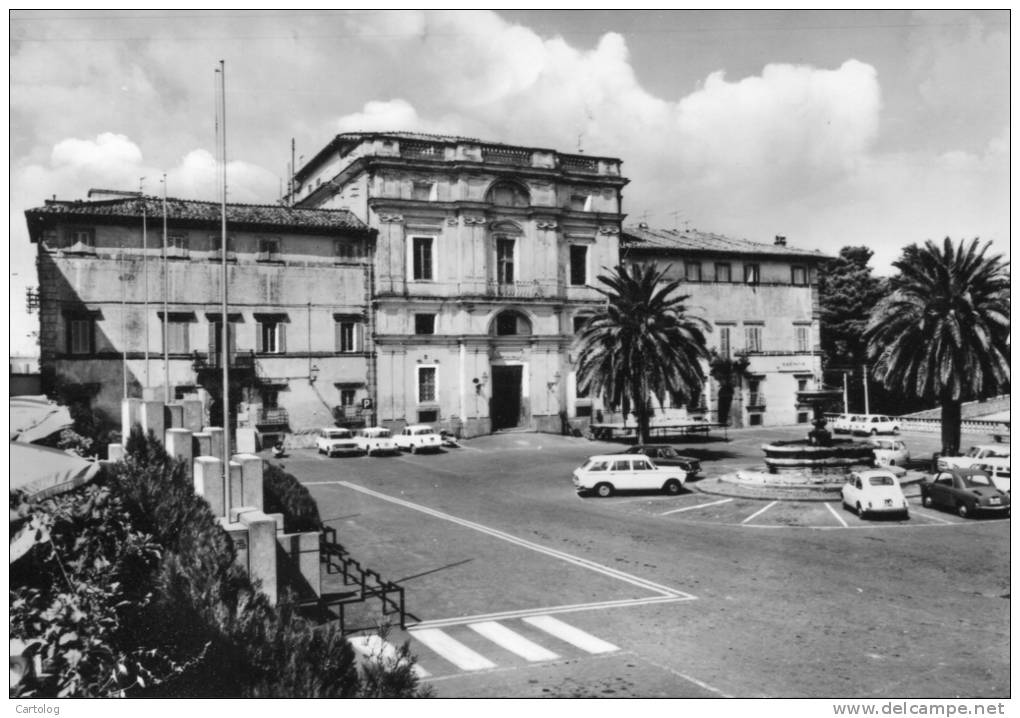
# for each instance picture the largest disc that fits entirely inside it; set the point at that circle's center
(506, 193)
(510, 323)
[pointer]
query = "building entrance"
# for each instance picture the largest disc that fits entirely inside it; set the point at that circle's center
(505, 408)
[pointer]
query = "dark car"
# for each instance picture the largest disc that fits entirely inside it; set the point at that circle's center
(966, 491)
(665, 455)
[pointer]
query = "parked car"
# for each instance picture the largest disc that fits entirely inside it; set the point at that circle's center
(376, 440)
(967, 491)
(333, 441)
(665, 455)
(841, 424)
(889, 452)
(874, 491)
(998, 472)
(874, 424)
(607, 473)
(418, 437)
(981, 454)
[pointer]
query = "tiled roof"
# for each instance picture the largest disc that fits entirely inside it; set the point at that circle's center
(203, 212)
(674, 240)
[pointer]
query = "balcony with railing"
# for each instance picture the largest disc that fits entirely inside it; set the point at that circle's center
(521, 290)
(272, 417)
(507, 156)
(756, 400)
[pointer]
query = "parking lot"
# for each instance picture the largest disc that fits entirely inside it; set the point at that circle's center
(520, 587)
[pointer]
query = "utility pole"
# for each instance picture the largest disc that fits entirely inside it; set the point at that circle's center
(846, 407)
(145, 270)
(864, 379)
(166, 316)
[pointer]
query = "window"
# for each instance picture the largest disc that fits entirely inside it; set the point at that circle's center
(81, 334)
(722, 272)
(798, 275)
(581, 202)
(80, 238)
(347, 398)
(752, 273)
(506, 194)
(752, 339)
(269, 250)
(579, 323)
(426, 384)
(692, 271)
(511, 324)
(802, 384)
(578, 265)
(346, 250)
(177, 334)
(641, 465)
(424, 323)
(346, 336)
(621, 465)
(802, 417)
(422, 268)
(754, 419)
(177, 244)
(802, 338)
(505, 260)
(270, 335)
(427, 416)
(724, 342)
(424, 191)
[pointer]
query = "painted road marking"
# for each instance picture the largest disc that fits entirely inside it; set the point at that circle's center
(698, 506)
(373, 646)
(545, 610)
(838, 517)
(574, 636)
(759, 512)
(933, 517)
(452, 650)
(576, 560)
(513, 642)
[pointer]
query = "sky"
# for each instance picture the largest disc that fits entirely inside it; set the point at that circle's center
(881, 128)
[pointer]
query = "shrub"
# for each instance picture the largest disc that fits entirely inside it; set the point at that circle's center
(283, 493)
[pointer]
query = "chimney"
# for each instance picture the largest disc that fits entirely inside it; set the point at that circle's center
(780, 240)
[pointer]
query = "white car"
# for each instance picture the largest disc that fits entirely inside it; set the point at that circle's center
(376, 440)
(418, 437)
(841, 424)
(605, 474)
(333, 441)
(998, 472)
(874, 491)
(874, 424)
(889, 452)
(982, 454)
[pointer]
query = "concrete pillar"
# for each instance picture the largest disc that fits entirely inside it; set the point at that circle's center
(208, 478)
(115, 452)
(178, 445)
(151, 418)
(130, 410)
(175, 415)
(216, 432)
(251, 481)
(193, 415)
(238, 534)
(262, 551)
(302, 551)
(201, 444)
(247, 440)
(236, 486)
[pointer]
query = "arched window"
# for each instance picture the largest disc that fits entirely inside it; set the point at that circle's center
(508, 194)
(510, 323)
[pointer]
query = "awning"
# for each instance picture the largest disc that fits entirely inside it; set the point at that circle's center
(35, 417)
(41, 472)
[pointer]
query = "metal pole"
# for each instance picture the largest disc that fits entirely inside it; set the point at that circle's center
(225, 334)
(864, 379)
(846, 408)
(166, 316)
(145, 269)
(123, 330)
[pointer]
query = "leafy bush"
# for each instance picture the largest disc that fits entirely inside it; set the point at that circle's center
(283, 493)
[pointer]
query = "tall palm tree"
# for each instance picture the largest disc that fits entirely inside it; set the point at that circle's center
(641, 344)
(943, 332)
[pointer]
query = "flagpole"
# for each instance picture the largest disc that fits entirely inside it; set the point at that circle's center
(223, 279)
(166, 316)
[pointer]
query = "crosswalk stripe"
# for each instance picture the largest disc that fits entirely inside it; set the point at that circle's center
(452, 650)
(374, 646)
(575, 636)
(513, 642)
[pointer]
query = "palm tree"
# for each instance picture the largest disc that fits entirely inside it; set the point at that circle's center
(943, 332)
(641, 344)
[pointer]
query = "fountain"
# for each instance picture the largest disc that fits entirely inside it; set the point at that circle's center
(817, 463)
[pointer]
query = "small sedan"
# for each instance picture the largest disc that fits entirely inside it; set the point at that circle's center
(664, 455)
(875, 491)
(333, 441)
(966, 491)
(419, 437)
(889, 452)
(841, 424)
(874, 424)
(606, 474)
(376, 440)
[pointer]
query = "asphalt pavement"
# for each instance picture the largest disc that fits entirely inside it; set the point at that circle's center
(517, 587)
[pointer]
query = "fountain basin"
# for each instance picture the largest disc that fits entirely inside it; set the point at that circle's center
(802, 458)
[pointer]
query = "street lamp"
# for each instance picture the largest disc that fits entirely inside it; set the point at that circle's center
(313, 373)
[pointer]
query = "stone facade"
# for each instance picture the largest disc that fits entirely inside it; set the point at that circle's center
(485, 254)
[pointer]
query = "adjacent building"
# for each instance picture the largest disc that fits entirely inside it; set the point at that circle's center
(299, 325)
(485, 256)
(761, 302)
